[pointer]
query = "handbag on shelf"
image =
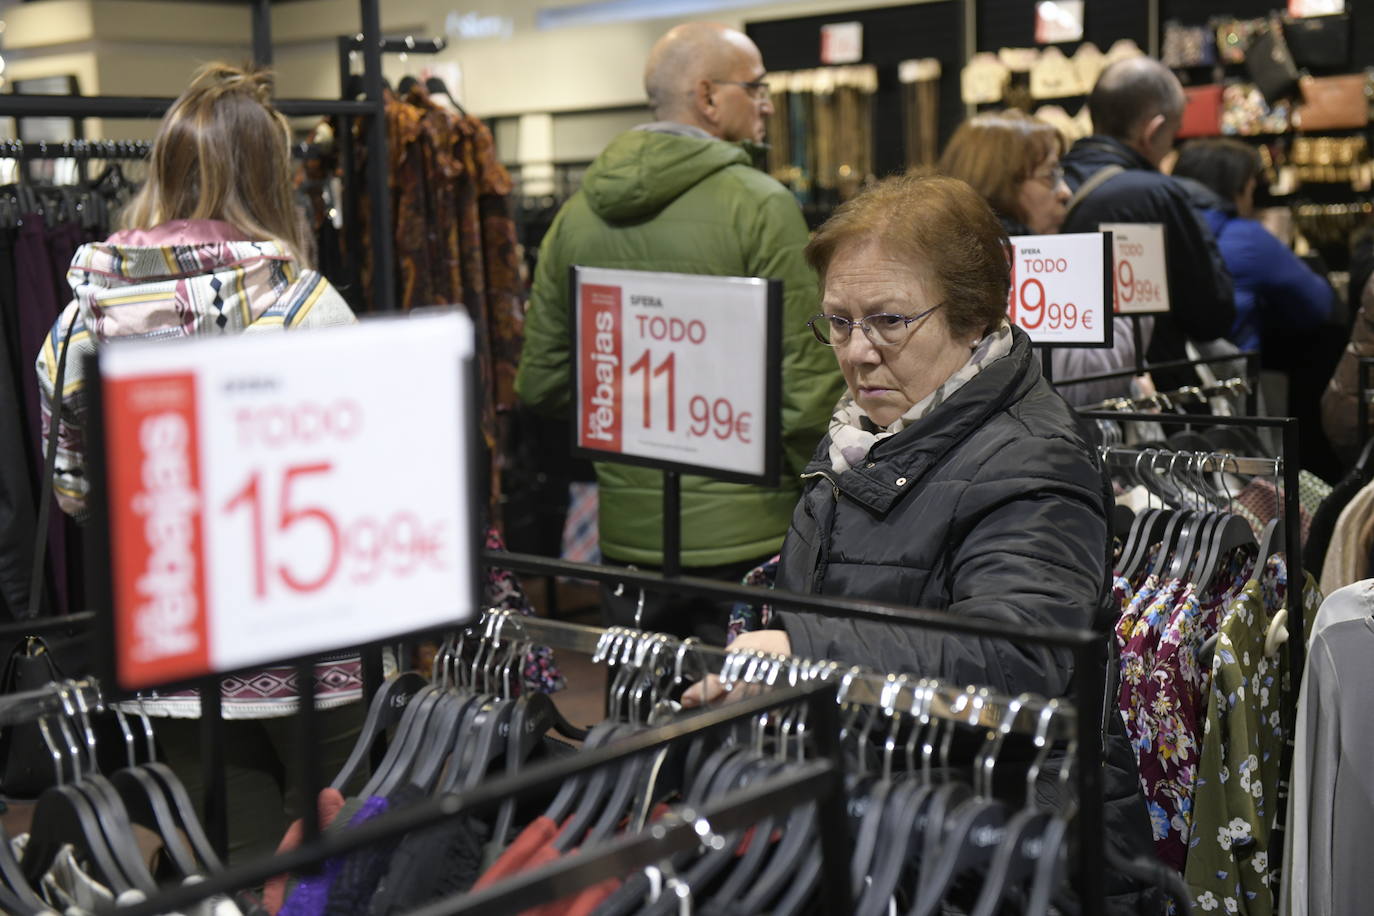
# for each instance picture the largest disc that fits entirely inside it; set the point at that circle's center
(1321, 42)
(1188, 45)
(1333, 102)
(1202, 113)
(1270, 64)
(1234, 37)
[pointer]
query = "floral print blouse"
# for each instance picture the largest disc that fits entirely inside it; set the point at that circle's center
(1236, 799)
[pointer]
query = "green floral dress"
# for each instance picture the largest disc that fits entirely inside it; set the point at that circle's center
(1236, 797)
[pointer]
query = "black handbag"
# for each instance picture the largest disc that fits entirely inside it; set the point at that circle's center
(1319, 42)
(1270, 64)
(26, 762)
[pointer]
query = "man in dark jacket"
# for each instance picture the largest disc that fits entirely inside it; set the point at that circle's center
(680, 195)
(1137, 107)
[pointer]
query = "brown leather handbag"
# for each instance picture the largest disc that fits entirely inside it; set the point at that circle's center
(1333, 102)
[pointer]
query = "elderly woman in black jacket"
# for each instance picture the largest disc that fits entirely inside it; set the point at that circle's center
(953, 477)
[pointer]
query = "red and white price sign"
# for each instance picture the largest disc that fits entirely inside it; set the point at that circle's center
(1061, 288)
(677, 371)
(1140, 277)
(273, 496)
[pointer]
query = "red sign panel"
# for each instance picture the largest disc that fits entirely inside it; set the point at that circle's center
(600, 368)
(157, 527)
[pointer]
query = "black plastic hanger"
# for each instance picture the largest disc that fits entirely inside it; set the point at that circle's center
(964, 848)
(18, 896)
(1230, 535)
(114, 821)
(184, 812)
(147, 806)
(436, 86)
(439, 739)
(1014, 860)
(401, 751)
(563, 803)
(389, 703)
(62, 817)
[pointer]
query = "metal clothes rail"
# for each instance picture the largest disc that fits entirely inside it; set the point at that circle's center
(1199, 461)
(822, 782)
(1292, 525)
(956, 703)
(1252, 371)
(1169, 400)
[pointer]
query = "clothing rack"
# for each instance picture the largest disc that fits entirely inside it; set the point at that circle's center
(1169, 400)
(971, 706)
(1252, 371)
(50, 700)
(378, 185)
(1289, 465)
(372, 106)
(1206, 462)
(75, 149)
(1089, 649)
(821, 781)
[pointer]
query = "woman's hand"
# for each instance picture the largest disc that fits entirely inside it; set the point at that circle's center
(708, 691)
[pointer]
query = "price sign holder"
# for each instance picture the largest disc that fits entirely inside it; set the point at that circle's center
(159, 442)
(702, 354)
(1071, 277)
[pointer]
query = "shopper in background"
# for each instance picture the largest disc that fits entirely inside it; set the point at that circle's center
(1012, 159)
(213, 244)
(1137, 107)
(1274, 288)
(1340, 407)
(681, 195)
(953, 478)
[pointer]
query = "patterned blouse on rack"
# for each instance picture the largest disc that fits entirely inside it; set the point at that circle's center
(1230, 868)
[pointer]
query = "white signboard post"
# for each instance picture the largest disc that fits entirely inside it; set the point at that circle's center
(1061, 289)
(1140, 277)
(677, 372)
(277, 496)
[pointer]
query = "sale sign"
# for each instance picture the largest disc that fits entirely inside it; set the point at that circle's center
(1140, 278)
(677, 371)
(276, 496)
(1061, 289)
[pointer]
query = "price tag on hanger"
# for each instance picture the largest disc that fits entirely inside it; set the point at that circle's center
(1061, 289)
(677, 372)
(1140, 278)
(275, 496)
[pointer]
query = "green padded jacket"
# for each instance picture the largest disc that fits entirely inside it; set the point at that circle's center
(660, 201)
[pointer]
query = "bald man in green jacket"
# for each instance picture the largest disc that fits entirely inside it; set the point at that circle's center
(681, 195)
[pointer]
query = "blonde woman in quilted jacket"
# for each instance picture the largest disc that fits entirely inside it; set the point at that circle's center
(212, 244)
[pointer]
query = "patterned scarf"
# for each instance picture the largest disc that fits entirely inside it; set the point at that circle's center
(853, 433)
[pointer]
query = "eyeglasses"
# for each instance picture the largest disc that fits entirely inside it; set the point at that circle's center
(1051, 178)
(757, 89)
(882, 330)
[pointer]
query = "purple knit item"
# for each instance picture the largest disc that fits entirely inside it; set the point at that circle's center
(312, 892)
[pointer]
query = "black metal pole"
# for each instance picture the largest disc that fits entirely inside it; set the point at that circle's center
(1292, 520)
(1090, 677)
(1252, 376)
(348, 165)
(672, 523)
(308, 750)
(378, 186)
(1139, 340)
(262, 33)
(831, 816)
(213, 766)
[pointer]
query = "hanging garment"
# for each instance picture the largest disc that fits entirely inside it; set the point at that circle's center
(1330, 871)
(311, 895)
(1230, 868)
(1346, 555)
(1325, 516)
(18, 476)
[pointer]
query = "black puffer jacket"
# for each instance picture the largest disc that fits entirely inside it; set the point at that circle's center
(1201, 298)
(993, 506)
